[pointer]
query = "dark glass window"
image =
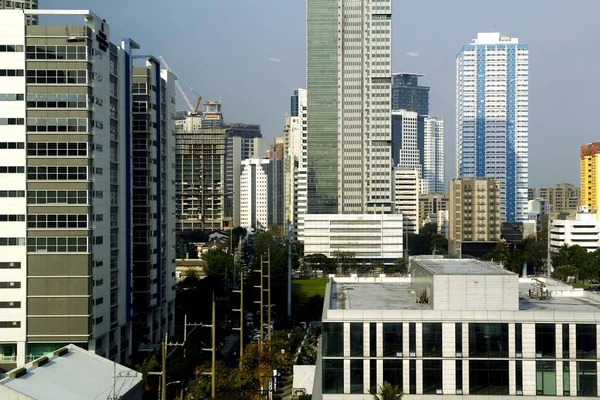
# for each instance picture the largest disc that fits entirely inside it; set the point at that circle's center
(373, 375)
(545, 378)
(432, 376)
(392, 339)
(373, 339)
(519, 376)
(488, 377)
(587, 379)
(432, 339)
(488, 340)
(412, 339)
(519, 340)
(586, 340)
(545, 340)
(392, 372)
(356, 339)
(566, 378)
(333, 339)
(565, 341)
(356, 376)
(458, 339)
(459, 376)
(333, 376)
(412, 376)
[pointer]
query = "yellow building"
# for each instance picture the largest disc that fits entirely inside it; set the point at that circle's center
(590, 176)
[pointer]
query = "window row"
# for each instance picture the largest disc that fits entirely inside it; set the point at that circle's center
(57, 197)
(10, 304)
(10, 324)
(10, 285)
(10, 265)
(57, 124)
(11, 48)
(11, 170)
(57, 221)
(57, 173)
(485, 340)
(12, 121)
(57, 245)
(12, 217)
(11, 72)
(11, 97)
(64, 76)
(69, 52)
(11, 241)
(11, 145)
(57, 149)
(12, 193)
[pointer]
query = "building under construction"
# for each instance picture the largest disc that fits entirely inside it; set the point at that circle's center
(200, 175)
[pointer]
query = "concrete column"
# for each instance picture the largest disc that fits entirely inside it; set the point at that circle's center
(366, 375)
(379, 339)
(558, 346)
(559, 377)
(449, 377)
(573, 376)
(512, 384)
(21, 354)
(448, 341)
(419, 339)
(406, 376)
(405, 342)
(419, 371)
(346, 339)
(529, 376)
(465, 374)
(572, 344)
(379, 373)
(528, 343)
(465, 341)
(511, 341)
(366, 339)
(346, 376)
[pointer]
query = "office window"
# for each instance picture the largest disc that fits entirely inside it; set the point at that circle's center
(12, 96)
(565, 341)
(11, 145)
(585, 340)
(519, 340)
(392, 372)
(54, 77)
(333, 376)
(11, 48)
(12, 193)
(373, 339)
(392, 339)
(458, 339)
(62, 125)
(12, 170)
(57, 221)
(432, 376)
(10, 265)
(57, 149)
(432, 339)
(412, 376)
(373, 375)
(11, 72)
(10, 324)
(333, 339)
(587, 379)
(356, 339)
(12, 217)
(519, 376)
(545, 378)
(488, 377)
(566, 378)
(12, 241)
(356, 377)
(57, 197)
(412, 339)
(51, 173)
(545, 340)
(10, 304)
(57, 245)
(10, 285)
(58, 100)
(459, 376)
(488, 340)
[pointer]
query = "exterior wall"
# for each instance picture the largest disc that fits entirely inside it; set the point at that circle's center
(560, 197)
(406, 197)
(431, 203)
(22, 5)
(254, 199)
(590, 176)
(433, 155)
(368, 236)
(405, 143)
(492, 92)
(584, 231)
(407, 94)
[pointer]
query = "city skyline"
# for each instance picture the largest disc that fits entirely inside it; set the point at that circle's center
(556, 45)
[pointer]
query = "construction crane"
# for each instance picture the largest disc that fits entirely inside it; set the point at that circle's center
(193, 110)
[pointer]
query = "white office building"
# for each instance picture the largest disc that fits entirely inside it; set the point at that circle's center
(492, 117)
(254, 194)
(406, 152)
(455, 329)
(582, 231)
(406, 197)
(434, 176)
(370, 238)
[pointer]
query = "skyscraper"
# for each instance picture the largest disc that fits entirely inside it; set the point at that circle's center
(434, 175)
(492, 92)
(30, 19)
(407, 94)
(349, 91)
(254, 194)
(590, 176)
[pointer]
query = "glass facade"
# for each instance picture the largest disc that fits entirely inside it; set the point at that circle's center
(586, 341)
(392, 372)
(333, 376)
(488, 340)
(333, 339)
(488, 377)
(545, 378)
(408, 95)
(545, 340)
(432, 339)
(587, 379)
(356, 339)
(432, 376)
(392, 339)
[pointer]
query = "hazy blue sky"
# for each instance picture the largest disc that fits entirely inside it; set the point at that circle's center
(223, 49)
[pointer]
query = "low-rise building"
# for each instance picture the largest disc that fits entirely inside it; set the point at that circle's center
(455, 328)
(583, 231)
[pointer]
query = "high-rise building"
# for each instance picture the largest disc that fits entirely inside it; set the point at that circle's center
(474, 212)
(254, 194)
(433, 168)
(153, 202)
(244, 141)
(71, 188)
(200, 175)
(349, 92)
(408, 95)
(405, 140)
(276, 183)
(406, 197)
(561, 197)
(295, 164)
(212, 117)
(30, 19)
(590, 176)
(492, 92)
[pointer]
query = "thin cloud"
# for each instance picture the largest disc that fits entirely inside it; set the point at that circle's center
(412, 54)
(277, 60)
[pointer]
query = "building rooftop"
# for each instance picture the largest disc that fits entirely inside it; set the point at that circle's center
(444, 266)
(74, 374)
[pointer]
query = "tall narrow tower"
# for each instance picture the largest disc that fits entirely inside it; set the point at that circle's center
(349, 92)
(492, 94)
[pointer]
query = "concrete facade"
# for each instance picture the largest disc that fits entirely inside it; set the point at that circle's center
(582, 231)
(406, 197)
(254, 197)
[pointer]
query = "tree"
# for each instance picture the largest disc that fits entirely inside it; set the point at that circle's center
(319, 261)
(346, 260)
(399, 267)
(387, 392)
(217, 262)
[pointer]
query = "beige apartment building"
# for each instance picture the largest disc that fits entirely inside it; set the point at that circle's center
(430, 205)
(474, 212)
(561, 197)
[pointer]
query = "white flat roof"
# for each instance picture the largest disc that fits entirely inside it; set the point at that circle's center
(464, 266)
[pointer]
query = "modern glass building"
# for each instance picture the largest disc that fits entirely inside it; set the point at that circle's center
(407, 94)
(492, 103)
(349, 135)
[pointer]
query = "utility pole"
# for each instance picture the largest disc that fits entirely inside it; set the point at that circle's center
(164, 369)
(241, 311)
(212, 327)
(262, 309)
(289, 272)
(269, 296)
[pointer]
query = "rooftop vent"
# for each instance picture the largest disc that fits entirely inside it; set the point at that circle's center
(61, 352)
(17, 373)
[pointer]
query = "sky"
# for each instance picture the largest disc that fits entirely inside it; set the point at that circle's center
(251, 55)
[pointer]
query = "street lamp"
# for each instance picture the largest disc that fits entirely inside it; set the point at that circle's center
(174, 383)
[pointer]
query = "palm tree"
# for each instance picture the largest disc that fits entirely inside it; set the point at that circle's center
(387, 392)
